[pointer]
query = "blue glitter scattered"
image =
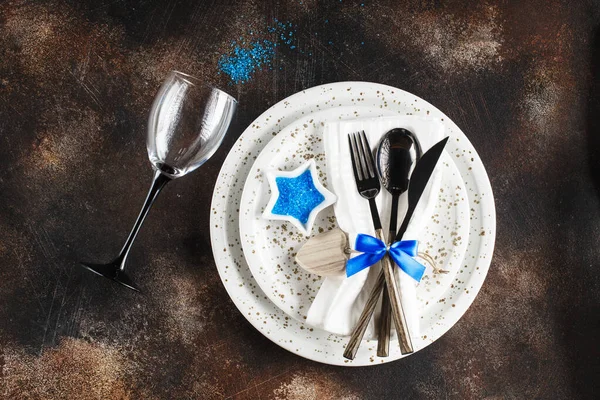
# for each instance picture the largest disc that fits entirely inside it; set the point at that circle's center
(245, 58)
(242, 62)
(284, 31)
(297, 196)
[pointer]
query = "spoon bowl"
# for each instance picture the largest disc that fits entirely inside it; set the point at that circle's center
(397, 155)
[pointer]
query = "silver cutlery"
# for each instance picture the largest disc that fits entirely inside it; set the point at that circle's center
(418, 182)
(367, 184)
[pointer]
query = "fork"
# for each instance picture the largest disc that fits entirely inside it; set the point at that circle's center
(367, 184)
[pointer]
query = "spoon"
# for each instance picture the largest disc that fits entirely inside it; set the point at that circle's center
(397, 155)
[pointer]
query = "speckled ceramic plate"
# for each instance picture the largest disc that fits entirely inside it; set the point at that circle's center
(270, 245)
(255, 305)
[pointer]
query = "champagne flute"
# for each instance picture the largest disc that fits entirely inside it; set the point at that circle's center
(187, 124)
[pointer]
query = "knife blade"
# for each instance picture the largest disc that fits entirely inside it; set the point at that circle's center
(418, 182)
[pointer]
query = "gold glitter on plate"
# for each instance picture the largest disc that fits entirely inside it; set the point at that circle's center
(270, 253)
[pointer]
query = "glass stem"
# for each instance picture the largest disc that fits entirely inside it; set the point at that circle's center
(158, 182)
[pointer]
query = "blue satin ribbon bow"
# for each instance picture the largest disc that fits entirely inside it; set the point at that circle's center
(373, 249)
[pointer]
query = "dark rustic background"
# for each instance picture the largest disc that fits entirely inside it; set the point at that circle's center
(76, 82)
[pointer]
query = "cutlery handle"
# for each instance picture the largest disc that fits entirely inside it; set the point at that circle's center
(398, 315)
(385, 325)
(363, 321)
(384, 332)
(375, 215)
(393, 218)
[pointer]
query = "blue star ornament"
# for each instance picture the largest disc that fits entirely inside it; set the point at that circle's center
(297, 196)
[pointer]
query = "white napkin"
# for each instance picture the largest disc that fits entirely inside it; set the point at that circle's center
(340, 300)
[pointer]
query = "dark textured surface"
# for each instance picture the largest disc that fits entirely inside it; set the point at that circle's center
(76, 82)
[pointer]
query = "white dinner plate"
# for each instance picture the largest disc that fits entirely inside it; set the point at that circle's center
(272, 321)
(270, 245)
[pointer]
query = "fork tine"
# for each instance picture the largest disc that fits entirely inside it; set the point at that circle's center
(358, 158)
(369, 155)
(361, 155)
(355, 168)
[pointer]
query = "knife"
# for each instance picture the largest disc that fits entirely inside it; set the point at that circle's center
(418, 182)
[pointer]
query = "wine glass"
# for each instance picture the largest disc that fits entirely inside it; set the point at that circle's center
(187, 124)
